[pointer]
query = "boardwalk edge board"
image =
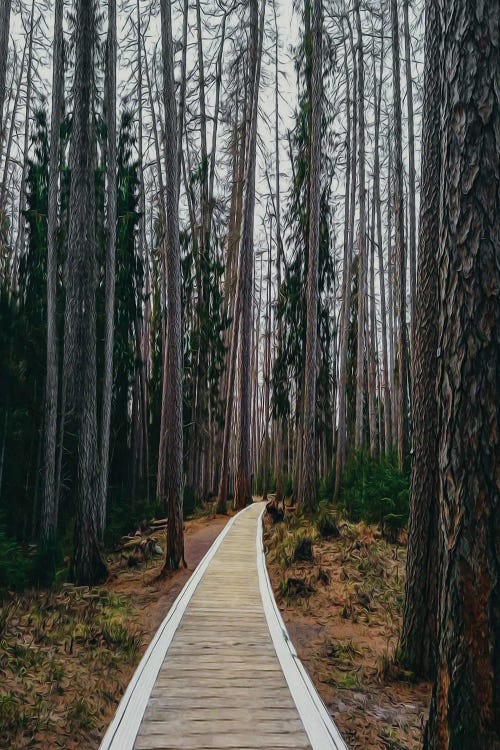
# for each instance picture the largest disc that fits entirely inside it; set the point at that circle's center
(123, 730)
(318, 724)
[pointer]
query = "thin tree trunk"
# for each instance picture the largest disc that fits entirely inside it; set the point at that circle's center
(107, 386)
(50, 509)
(349, 217)
(372, 375)
(12, 128)
(400, 250)
(412, 222)
(243, 492)
(307, 487)
(21, 237)
(173, 357)
(360, 358)
(5, 7)
(418, 638)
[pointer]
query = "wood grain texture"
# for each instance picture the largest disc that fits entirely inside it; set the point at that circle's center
(221, 684)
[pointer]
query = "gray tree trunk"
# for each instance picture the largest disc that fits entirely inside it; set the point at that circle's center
(5, 6)
(349, 217)
(50, 509)
(109, 323)
(401, 385)
(307, 486)
(360, 358)
(172, 373)
(243, 491)
(80, 316)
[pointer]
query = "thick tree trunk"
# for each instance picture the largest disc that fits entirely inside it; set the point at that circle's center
(50, 509)
(360, 358)
(173, 359)
(400, 250)
(465, 707)
(243, 490)
(418, 639)
(308, 478)
(80, 317)
(109, 323)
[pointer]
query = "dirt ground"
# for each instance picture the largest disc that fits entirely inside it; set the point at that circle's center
(343, 610)
(66, 657)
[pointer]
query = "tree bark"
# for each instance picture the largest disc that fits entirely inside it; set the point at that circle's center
(465, 706)
(400, 250)
(412, 223)
(172, 373)
(360, 358)
(80, 315)
(349, 217)
(5, 7)
(308, 478)
(418, 639)
(109, 323)
(50, 509)
(243, 490)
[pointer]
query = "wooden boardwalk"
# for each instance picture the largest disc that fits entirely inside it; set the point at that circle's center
(221, 672)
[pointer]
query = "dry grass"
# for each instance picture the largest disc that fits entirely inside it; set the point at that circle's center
(61, 657)
(344, 613)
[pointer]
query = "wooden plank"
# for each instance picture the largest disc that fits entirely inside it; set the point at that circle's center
(221, 741)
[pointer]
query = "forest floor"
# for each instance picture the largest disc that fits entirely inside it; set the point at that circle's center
(342, 600)
(67, 656)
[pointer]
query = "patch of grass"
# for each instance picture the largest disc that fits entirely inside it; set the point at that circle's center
(11, 712)
(84, 714)
(295, 588)
(292, 542)
(326, 522)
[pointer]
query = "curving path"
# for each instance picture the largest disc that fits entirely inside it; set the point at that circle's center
(221, 672)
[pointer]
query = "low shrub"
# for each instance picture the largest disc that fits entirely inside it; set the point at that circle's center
(16, 566)
(376, 491)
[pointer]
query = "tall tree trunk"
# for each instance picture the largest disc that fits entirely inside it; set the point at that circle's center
(412, 223)
(465, 706)
(109, 323)
(5, 6)
(372, 356)
(11, 129)
(279, 251)
(418, 639)
(307, 487)
(386, 388)
(243, 491)
(80, 316)
(360, 358)
(50, 509)
(173, 355)
(400, 250)
(349, 217)
(21, 236)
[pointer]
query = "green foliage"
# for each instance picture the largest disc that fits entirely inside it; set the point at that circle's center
(292, 543)
(16, 568)
(326, 522)
(375, 491)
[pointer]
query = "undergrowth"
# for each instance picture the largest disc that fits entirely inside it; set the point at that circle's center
(68, 649)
